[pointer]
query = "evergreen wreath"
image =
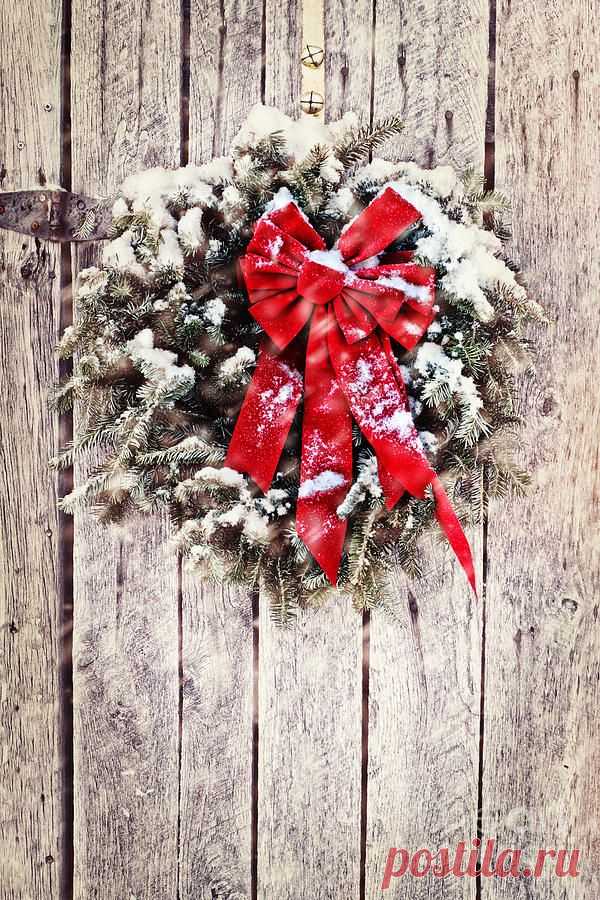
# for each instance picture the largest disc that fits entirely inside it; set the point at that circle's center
(164, 348)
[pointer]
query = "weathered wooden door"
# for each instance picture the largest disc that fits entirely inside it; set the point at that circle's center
(176, 745)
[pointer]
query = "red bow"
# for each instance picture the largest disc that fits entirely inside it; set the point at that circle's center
(350, 369)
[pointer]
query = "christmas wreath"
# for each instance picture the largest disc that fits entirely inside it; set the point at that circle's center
(304, 357)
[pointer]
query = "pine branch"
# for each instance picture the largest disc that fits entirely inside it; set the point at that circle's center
(363, 141)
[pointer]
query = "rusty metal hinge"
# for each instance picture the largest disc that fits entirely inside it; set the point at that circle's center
(56, 215)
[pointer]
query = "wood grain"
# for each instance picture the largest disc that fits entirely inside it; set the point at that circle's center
(348, 58)
(424, 698)
(125, 71)
(32, 782)
(225, 72)
(309, 755)
(216, 760)
(542, 732)
(283, 49)
(431, 65)
(217, 624)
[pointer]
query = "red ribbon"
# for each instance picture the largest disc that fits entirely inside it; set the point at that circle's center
(354, 305)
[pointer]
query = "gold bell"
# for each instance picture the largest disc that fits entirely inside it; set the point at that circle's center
(313, 56)
(312, 103)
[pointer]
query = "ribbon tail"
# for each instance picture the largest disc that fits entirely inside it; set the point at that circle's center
(453, 530)
(266, 416)
(376, 395)
(326, 467)
(392, 487)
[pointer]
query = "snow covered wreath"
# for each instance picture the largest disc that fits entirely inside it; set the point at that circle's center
(305, 358)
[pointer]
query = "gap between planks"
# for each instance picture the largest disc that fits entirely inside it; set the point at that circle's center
(489, 176)
(65, 481)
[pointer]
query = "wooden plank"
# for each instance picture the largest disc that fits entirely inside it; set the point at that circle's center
(32, 782)
(216, 759)
(431, 65)
(348, 57)
(542, 732)
(283, 49)
(310, 696)
(309, 754)
(424, 691)
(225, 72)
(217, 624)
(125, 69)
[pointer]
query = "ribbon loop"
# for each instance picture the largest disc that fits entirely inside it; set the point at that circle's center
(350, 370)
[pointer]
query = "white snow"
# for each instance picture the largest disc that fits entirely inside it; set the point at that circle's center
(231, 196)
(377, 170)
(237, 363)
(119, 253)
(91, 280)
(274, 246)
(256, 527)
(214, 312)
(371, 263)
(332, 259)
(366, 483)
(120, 208)
(442, 180)
(276, 502)
(399, 421)
(325, 481)
(429, 441)
(190, 228)
(247, 511)
(225, 476)
(169, 250)
(233, 516)
(162, 363)
(365, 374)
(415, 291)
(301, 135)
(331, 170)
(178, 293)
(413, 328)
(148, 191)
(216, 171)
(190, 443)
(342, 201)
(432, 361)
(280, 199)
(284, 394)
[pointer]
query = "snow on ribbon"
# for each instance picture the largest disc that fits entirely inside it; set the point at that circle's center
(350, 371)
